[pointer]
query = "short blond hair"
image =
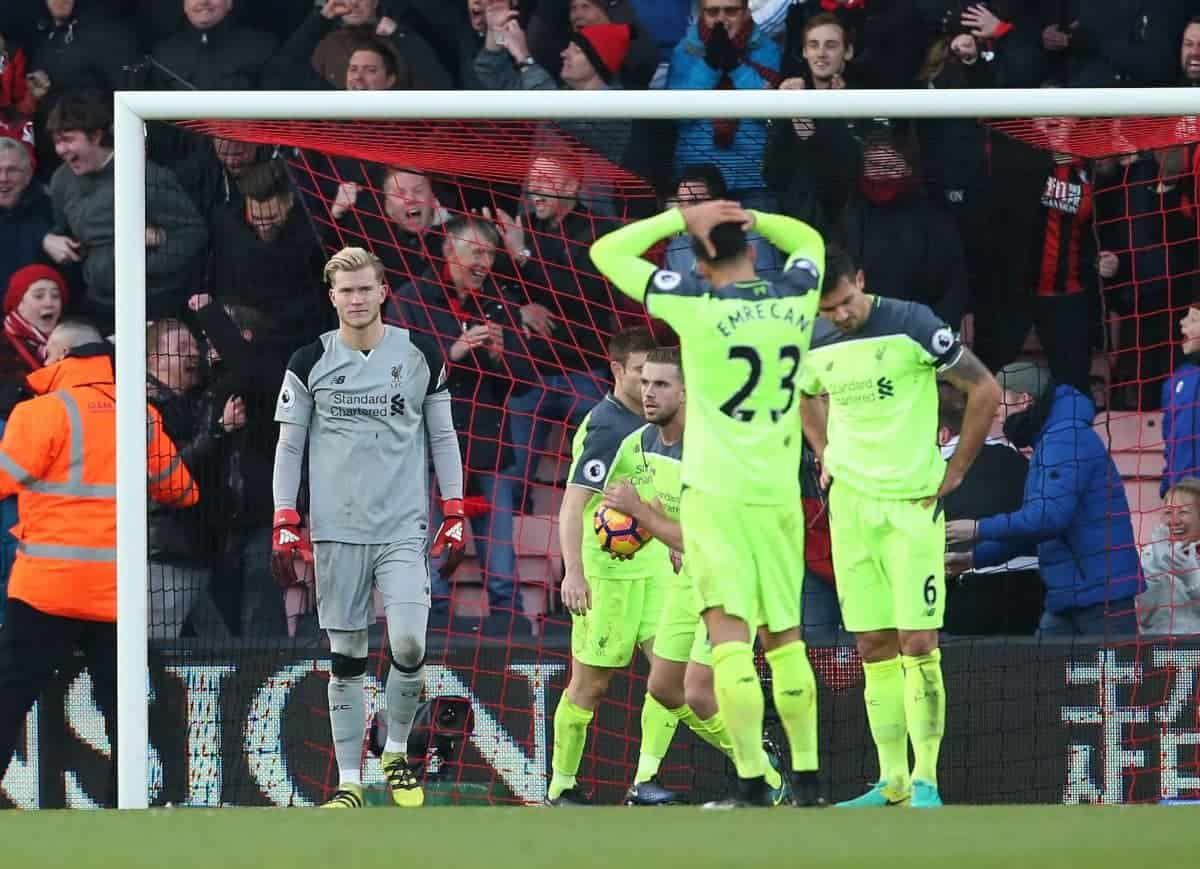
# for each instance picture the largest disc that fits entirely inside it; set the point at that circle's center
(351, 259)
(1186, 486)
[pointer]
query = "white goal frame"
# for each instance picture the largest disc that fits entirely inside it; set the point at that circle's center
(132, 109)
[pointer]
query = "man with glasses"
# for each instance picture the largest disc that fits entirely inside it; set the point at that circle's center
(724, 50)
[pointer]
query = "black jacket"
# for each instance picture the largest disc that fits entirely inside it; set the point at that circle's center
(814, 176)
(181, 536)
(560, 276)
(89, 51)
(952, 149)
(225, 57)
(479, 385)
(279, 277)
(449, 31)
(993, 603)
(909, 249)
(1127, 43)
(22, 229)
(240, 495)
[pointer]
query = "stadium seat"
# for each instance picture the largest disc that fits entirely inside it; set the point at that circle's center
(1126, 431)
(1145, 507)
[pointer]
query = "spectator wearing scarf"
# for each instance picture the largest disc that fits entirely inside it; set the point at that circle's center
(714, 55)
(33, 304)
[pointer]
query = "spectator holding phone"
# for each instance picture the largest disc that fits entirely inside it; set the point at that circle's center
(476, 321)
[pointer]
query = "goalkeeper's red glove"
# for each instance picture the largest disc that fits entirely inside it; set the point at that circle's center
(287, 543)
(450, 536)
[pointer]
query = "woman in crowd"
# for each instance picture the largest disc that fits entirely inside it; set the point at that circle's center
(1171, 563)
(33, 305)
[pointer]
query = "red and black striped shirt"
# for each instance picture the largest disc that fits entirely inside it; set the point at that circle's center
(1066, 215)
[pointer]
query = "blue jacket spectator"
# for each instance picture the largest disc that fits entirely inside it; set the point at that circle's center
(1076, 511)
(1181, 410)
(667, 21)
(712, 57)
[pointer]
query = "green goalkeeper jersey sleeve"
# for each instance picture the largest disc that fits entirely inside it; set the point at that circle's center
(605, 450)
(883, 400)
(741, 346)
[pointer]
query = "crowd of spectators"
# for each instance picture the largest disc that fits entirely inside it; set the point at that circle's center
(1098, 257)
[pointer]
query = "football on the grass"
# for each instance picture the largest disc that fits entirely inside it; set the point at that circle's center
(618, 533)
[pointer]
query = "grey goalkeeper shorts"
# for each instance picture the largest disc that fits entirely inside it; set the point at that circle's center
(347, 573)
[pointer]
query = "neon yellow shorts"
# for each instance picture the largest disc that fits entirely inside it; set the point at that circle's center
(624, 615)
(681, 635)
(889, 560)
(747, 559)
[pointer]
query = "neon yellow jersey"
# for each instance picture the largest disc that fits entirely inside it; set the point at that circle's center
(883, 399)
(604, 451)
(742, 346)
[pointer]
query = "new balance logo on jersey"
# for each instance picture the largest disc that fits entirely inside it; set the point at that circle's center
(339, 380)
(397, 405)
(886, 388)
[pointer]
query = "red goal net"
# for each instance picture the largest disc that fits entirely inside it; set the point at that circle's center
(1112, 236)
(1070, 244)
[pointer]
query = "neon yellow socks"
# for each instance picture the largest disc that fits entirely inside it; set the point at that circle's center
(570, 735)
(794, 688)
(925, 711)
(740, 699)
(885, 697)
(658, 729)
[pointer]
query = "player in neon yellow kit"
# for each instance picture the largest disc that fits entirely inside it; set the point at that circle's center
(680, 681)
(878, 359)
(743, 339)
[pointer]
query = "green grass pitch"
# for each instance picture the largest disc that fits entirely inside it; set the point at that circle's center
(1020, 837)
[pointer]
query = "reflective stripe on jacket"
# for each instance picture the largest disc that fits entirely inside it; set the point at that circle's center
(59, 457)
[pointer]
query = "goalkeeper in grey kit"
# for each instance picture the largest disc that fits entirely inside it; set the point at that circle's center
(364, 399)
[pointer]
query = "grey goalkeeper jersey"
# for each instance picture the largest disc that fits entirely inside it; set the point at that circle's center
(368, 415)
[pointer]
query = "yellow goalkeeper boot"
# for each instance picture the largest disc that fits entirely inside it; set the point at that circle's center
(406, 790)
(348, 796)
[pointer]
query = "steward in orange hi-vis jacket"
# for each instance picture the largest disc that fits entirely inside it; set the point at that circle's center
(59, 456)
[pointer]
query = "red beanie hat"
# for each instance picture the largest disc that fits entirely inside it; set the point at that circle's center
(605, 46)
(23, 279)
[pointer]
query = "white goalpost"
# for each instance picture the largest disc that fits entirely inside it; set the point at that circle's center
(132, 110)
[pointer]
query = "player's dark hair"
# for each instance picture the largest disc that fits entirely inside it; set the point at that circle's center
(707, 174)
(952, 407)
(87, 111)
(838, 264)
(728, 238)
(634, 339)
(666, 356)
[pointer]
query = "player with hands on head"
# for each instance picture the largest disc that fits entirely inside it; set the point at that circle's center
(680, 685)
(370, 403)
(743, 339)
(878, 360)
(614, 604)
